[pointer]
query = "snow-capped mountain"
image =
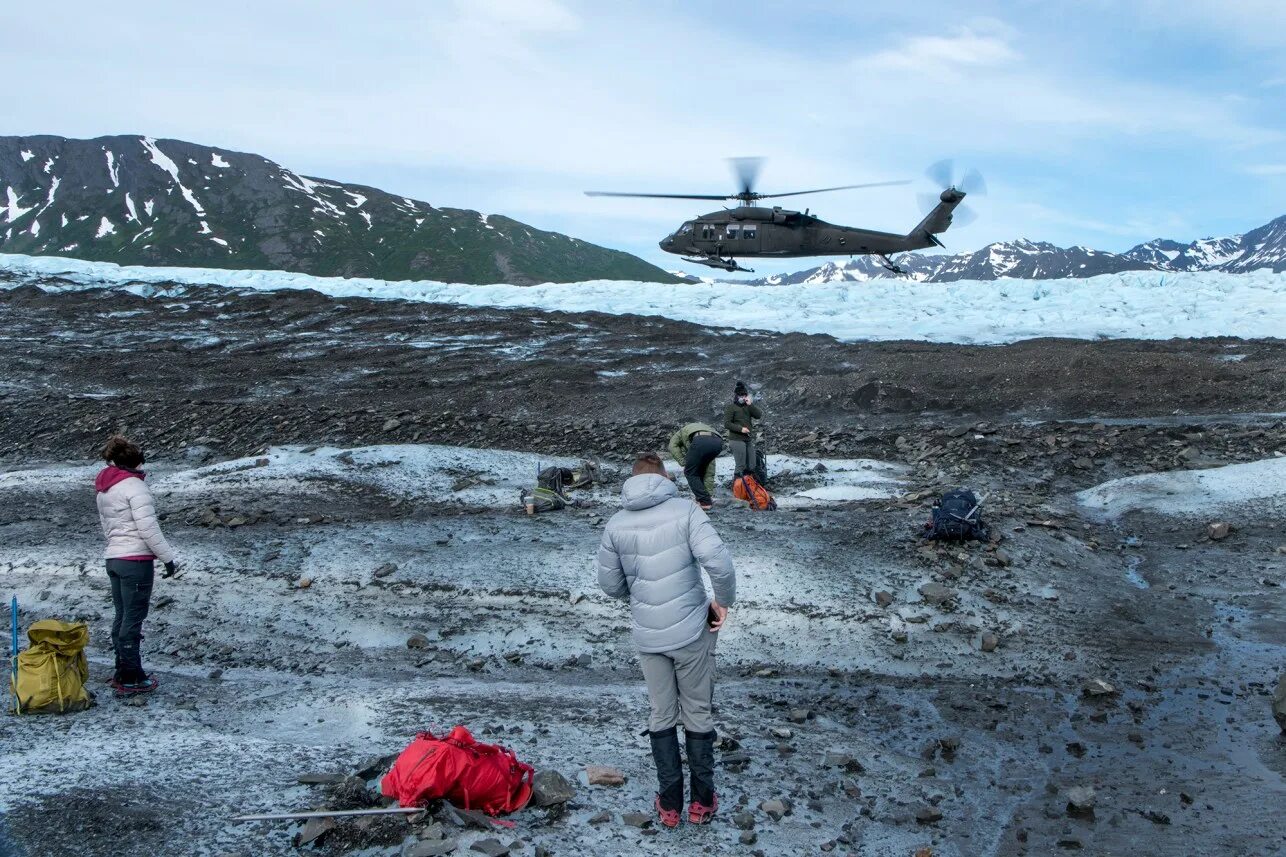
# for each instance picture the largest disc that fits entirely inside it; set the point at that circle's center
(1264, 247)
(1021, 258)
(136, 200)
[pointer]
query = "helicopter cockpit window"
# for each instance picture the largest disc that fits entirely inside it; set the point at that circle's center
(733, 229)
(707, 231)
(686, 229)
(749, 231)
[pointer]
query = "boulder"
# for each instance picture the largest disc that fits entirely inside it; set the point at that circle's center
(1081, 799)
(936, 593)
(549, 788)
(600, 775)
(928, 814)
(1098, 687)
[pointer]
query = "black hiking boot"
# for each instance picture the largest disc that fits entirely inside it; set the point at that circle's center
(701, 770)
(669, 775)
(146, 684)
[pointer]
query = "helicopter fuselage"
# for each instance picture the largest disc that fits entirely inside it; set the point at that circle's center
(758, 232)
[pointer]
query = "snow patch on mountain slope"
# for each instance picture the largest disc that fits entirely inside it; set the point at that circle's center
(166, 163)
(1133, 304)
(113, 170)
(13, 210)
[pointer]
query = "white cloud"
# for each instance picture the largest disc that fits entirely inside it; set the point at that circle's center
(942, 57)
(1267, 169)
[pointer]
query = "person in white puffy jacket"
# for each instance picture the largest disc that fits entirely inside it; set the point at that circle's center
(652, 554)
(135, 544)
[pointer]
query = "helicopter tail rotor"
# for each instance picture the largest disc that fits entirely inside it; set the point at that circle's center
(954, 186)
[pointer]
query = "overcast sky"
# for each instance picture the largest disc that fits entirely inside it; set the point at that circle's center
(1098, 123)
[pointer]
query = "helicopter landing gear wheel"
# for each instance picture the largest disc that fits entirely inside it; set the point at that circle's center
(890, 265)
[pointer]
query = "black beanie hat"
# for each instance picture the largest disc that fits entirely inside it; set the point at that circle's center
(740, 390)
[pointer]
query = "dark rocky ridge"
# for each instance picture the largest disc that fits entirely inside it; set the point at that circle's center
(134, 200)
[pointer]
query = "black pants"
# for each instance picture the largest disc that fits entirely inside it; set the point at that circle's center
(131, 594)
(702, 452)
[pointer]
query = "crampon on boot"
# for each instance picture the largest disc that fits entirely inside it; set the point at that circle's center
(669, 775)
(701, 770)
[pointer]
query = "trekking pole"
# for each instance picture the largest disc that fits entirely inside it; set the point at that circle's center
(330, 813)
(13, 655)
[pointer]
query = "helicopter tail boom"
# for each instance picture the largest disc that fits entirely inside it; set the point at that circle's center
(938, 220)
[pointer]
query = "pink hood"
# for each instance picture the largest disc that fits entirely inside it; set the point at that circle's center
(111, 474)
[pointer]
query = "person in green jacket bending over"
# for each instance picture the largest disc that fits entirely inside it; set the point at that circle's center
(695, 447)
(739, 419)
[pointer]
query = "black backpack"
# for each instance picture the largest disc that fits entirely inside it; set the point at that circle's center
(761, 465)
(957, 516)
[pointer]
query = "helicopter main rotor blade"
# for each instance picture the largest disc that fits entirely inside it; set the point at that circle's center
(747, 171)
(656, 195)
(828, 189)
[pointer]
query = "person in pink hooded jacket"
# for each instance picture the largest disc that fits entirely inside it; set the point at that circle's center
(135, 544)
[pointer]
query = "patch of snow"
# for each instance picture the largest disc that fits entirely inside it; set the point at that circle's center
(14, 210)
(27, 155)
(105, 227)
(366, 215)
(838, 480)
(49, 165)
(35, 228)
(358, 199)
(1133, 304)
(164, 162)
(216, 160)
(205, 228)
(133, 212)
(112, 169)
(49, 197)
(1190, 493)
(64, 221)
(217, 240)
(149, 206)
(68, 248)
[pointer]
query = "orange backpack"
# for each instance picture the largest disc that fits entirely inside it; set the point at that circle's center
(748, 488)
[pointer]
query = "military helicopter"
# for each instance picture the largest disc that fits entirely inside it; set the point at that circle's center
(750, 230)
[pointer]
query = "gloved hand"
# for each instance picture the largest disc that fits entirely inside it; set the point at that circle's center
(171, 569)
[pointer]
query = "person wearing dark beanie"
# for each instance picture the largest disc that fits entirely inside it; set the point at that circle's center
(739, 419)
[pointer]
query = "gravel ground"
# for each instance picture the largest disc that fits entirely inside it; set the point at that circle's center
(865, 719)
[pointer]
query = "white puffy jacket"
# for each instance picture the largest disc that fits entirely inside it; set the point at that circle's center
(128, 516)
(652, 553)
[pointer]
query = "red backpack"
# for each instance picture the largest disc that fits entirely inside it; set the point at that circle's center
(468, 774)
(748, 488)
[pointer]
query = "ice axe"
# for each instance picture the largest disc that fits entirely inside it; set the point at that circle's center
(13, 655)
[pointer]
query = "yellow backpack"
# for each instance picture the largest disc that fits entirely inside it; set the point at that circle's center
(53, 671)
